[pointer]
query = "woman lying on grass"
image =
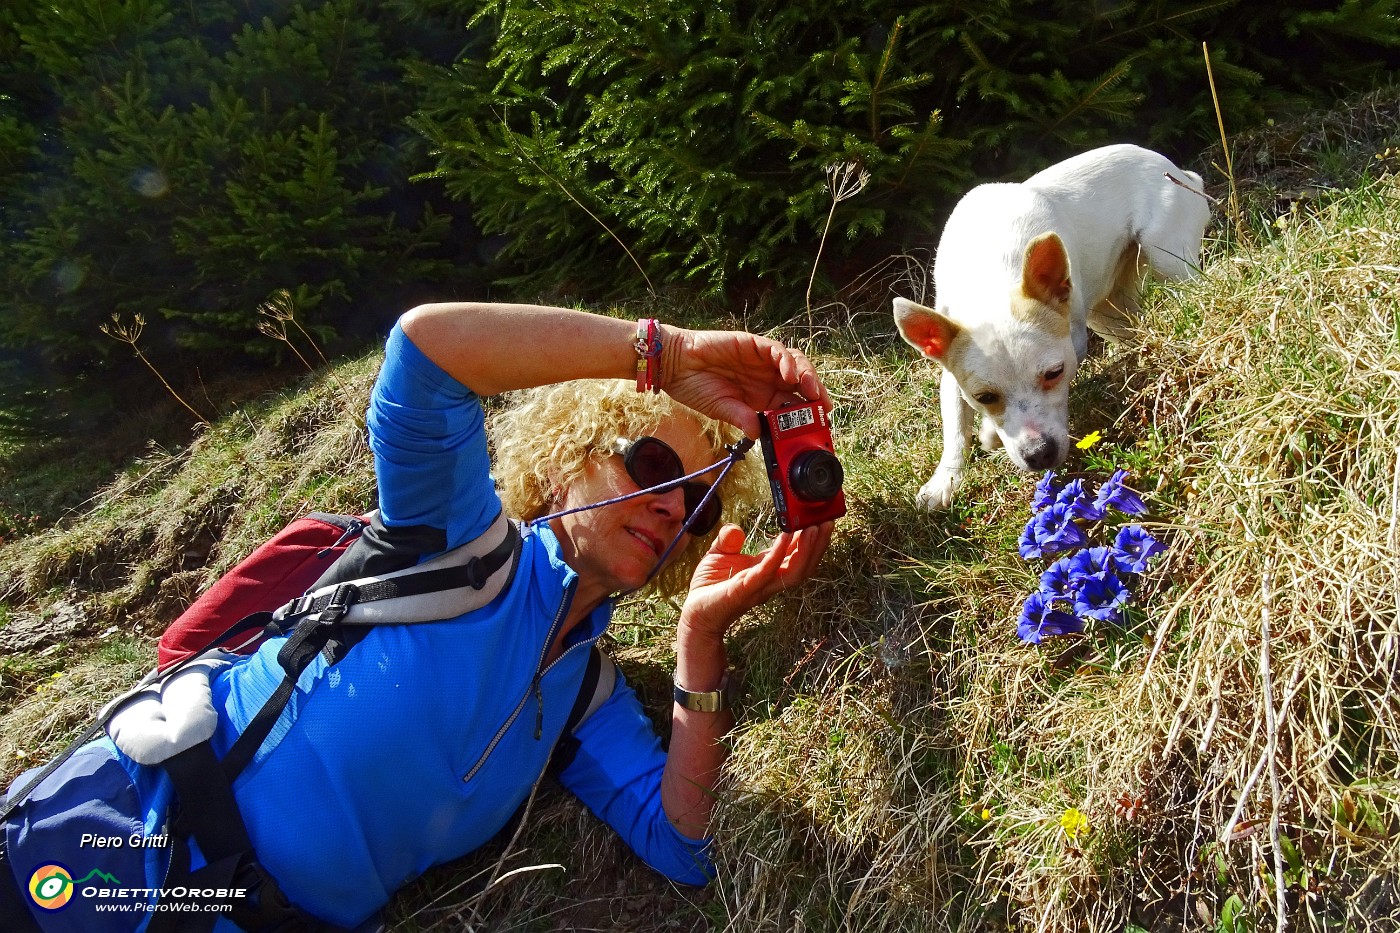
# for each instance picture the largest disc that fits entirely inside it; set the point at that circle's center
(406, 746)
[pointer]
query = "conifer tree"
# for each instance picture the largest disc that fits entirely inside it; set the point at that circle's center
(185, 161)
(696, 137)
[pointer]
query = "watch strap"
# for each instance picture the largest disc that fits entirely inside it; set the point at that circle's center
(705, 701)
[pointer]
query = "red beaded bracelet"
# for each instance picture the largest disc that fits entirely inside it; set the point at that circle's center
(648, 347)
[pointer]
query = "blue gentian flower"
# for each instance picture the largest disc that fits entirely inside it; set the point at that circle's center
(1095, 561)
(1051, 531)
(1027, 544)
(1077, 499)
(1039, 619)
(1114, 493)
(1045, 492)
(1088, 583)
(1059, 581)
(1134, 547)
(1101, 597)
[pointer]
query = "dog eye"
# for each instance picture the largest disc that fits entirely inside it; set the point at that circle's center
(1053, 374)
(988, 398)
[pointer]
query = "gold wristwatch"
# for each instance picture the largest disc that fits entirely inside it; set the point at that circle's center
(705, 701)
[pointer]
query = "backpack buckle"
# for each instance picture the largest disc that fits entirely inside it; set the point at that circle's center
(476, 573)
(296, 608)
(342, 598)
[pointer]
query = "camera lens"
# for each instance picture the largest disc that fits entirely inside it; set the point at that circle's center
(815, 475)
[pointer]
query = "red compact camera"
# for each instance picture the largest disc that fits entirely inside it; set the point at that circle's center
(802, 467)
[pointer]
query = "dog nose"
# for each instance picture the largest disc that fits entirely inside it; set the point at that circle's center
(1041, 454)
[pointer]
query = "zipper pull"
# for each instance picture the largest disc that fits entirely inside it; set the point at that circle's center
(539, 709)
(355, 527)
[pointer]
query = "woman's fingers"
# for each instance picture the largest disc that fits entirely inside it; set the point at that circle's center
(729, 583)
(811, 548)
(730, 375)
(808, 382)
(730, 540)
(804, 553)
(790, 560)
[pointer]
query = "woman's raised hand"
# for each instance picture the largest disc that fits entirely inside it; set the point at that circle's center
(731, 375)
(727, 582)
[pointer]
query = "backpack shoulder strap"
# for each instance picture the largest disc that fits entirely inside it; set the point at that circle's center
(460, 581)
(380, 549)
(598, 682)
(599, 679)
(455, 582)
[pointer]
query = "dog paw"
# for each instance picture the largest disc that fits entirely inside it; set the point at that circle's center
(937, 494)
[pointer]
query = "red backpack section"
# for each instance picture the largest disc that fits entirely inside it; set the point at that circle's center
(281, 569)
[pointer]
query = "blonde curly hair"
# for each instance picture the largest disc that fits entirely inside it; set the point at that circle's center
(545, 437)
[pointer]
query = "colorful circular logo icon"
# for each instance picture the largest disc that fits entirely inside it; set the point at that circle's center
(51, 886)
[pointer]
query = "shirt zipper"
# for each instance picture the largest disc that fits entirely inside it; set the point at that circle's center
(534, 684)
(539, 694)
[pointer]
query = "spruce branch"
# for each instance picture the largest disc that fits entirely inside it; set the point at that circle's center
(129, 332)
(885, 60)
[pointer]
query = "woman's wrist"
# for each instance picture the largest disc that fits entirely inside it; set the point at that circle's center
(672, 352)
(701, 659)
(698, 631)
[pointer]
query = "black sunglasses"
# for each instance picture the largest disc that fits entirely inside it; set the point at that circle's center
(651, 462)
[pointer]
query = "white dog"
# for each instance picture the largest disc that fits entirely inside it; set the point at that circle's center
(1021, 271)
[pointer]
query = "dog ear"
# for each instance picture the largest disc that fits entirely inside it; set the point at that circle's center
(1045, 271)
(924, 328)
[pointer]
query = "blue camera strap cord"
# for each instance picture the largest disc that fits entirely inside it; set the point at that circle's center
(737, 450)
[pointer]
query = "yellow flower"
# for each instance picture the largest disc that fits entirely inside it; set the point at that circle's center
(1089, 440)
(1074, 823)
(986, 814)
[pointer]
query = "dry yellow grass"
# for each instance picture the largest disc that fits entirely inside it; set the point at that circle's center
(1248, 731)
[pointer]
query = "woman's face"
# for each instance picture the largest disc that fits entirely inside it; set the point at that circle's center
(616, 547)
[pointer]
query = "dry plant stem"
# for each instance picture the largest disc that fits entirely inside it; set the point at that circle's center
(311, 340)
(596, 219)
(1394, 534)
(188, 407)
(844, 180)
(1225, 147)
(130, 334)
(439, 898)
(1271, 748)
(496, 875)
(276, 332)
(1263, 762)
(813, 278)
(279, 311)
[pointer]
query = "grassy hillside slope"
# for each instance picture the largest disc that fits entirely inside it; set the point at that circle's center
(1228, 759)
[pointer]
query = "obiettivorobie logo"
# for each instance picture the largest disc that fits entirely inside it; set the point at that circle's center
(51, 886)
